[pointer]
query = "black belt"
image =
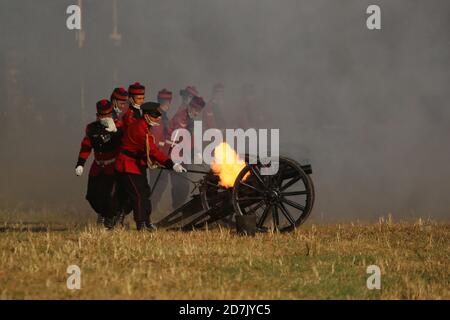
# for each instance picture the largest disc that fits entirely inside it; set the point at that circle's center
(132, 154)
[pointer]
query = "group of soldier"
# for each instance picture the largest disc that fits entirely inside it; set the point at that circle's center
(129, 136)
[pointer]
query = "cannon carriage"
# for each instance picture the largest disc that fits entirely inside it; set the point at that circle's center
(281, 201)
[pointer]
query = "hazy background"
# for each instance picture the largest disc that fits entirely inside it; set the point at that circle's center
(368, 109)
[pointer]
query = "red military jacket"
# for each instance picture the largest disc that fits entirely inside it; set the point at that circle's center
(161, 134)
(105, 145)
(181, 119)
(182, 106)
(131, 115)
(137, 144)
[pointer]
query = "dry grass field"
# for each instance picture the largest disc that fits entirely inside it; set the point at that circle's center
(314, 262)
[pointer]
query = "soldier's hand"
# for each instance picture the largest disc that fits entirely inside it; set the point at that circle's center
(109, 124)
(79, 170)
(179, 168)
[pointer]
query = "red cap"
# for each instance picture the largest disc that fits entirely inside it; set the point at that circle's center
(136, 89)
(104, 107)
(197, 102)
(190, 90)
(164, 94)
(119, 94)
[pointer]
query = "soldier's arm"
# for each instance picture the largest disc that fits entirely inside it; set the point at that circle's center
(158, 155)
(126, 119)
(120, 127)
(85, 150)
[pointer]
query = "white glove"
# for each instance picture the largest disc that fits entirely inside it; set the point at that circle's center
(179, 168)
(109, 124)
(79, 170)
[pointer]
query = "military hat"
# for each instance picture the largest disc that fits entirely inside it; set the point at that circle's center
(197, 102)
(104, 107)
(119, 94)
(151, 108)
(164, 94)
(136, 89)
(189, 90)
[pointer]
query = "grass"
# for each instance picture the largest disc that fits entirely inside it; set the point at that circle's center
(314, 262)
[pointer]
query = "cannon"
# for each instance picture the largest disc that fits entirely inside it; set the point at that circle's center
(281, 202)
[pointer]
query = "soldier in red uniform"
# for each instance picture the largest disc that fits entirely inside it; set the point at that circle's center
(212, 115)
(138, 151)
(136, 93)
(161, 131)
(184, 118)
(103, 136)
(119, 101)
(186, 96)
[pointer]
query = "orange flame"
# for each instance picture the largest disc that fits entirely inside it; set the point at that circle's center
(226, 164)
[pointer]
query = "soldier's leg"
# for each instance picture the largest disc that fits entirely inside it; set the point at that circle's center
(93, 196)
(138, 191)
(112, 206)
(125, 206)
(101, 195)
(122, 205)
(91, 193)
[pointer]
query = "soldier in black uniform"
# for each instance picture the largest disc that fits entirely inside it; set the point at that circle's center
(103, 136)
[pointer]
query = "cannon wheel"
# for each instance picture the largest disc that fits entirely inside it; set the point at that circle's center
(213, 196)
(282, 201)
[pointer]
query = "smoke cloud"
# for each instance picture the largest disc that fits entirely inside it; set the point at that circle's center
(368, 109)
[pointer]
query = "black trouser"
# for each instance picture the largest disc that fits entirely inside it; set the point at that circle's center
(121, 202)
(99, 193)
(137, 191)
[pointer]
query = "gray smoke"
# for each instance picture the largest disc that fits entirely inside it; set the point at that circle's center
(368, 109)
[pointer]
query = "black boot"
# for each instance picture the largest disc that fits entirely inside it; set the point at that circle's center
(120, 219)
(100, 220)
(145, 226)
(109, 223)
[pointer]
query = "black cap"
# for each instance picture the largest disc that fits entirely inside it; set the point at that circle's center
(151, 108)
